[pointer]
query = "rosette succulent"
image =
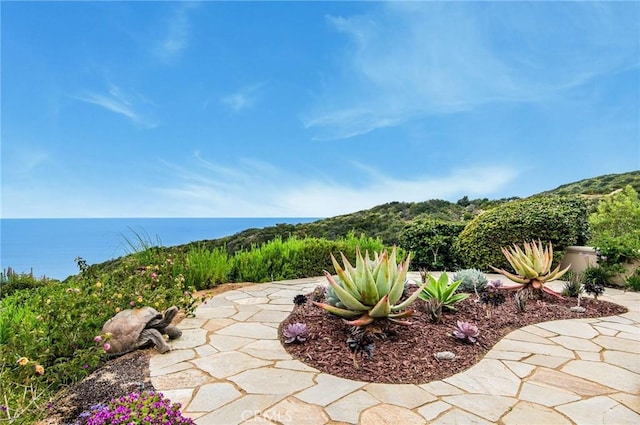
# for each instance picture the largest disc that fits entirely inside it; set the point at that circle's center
(466, 331)
(295, 332)
(371, 290)
(532, 265)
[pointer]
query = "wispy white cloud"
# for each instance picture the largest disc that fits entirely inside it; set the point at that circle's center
(406, 60)
(21, 161)
(244, 98)
(121, 102)
(178, 29)
(257, 188)
(249, 187)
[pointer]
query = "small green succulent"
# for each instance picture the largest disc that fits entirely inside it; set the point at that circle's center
(440, 293)
(371, 290)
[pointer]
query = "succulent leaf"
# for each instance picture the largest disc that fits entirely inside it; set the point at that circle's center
(372, 287)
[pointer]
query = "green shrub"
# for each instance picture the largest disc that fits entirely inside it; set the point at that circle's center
(615, 228)
(10, 282)
(594, 279)
(204, 268)
(296, 258)
(573, 285)
(431, 243)
(560, 220)
(633, 281)
(471, 280)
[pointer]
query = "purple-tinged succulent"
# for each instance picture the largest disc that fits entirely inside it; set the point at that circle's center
(466, 332)
(495, 284)
(295, 332)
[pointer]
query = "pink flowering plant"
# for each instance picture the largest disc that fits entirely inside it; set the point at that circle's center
(148, 408)
(54, 325)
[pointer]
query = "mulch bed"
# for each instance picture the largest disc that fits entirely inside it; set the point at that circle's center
(407, 354)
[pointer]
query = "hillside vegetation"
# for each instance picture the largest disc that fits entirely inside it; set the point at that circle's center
(387, 221)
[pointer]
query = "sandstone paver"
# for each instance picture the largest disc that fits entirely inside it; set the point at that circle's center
(605, 374)
(385, 414)
(458, 417)
(348, 408)
(526, 413)
(328, 389)
(431, 410)
(546, 395)
(619, 344)
(487, 377)
(404, 395)
(250, 330)
(606, 408)
(490, 407)
(570, 327)
(268, 349)
(228, 363)
(268, 380)
(211, 396)
(292, 411)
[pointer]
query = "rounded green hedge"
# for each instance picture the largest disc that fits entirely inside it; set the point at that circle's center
(431, 243)
(556, 219)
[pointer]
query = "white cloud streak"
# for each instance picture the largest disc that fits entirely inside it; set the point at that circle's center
(244, 98)
(254, 188)
(177, 35)
(120, 102)
(248, 188)
(407, 60)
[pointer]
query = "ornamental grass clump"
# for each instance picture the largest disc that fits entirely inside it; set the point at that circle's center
(532, 265)
(148, 408)
(371, 290)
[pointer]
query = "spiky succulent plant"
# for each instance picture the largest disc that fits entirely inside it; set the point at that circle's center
(295, 332)
(466, 331)
(371, 290)
(532, 265)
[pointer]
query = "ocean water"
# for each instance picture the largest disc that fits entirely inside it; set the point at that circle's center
(48, 247)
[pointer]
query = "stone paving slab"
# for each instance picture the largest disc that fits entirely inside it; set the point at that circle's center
(229, 368)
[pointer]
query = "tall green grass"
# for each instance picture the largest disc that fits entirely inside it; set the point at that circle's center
(205, 268)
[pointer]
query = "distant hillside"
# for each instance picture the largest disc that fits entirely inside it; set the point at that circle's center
(387, 221)
(601, 185)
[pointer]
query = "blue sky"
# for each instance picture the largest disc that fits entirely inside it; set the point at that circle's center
(309, 109)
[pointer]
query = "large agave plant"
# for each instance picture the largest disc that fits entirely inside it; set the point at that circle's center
(532, 265)
(370, 290)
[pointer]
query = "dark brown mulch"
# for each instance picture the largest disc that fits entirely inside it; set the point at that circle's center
(407, 353)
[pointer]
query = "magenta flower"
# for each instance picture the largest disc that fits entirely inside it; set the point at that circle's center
(106, 346)
(153, 275)
(98, 339)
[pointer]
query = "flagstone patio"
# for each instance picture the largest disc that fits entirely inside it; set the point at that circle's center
(229, 368)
